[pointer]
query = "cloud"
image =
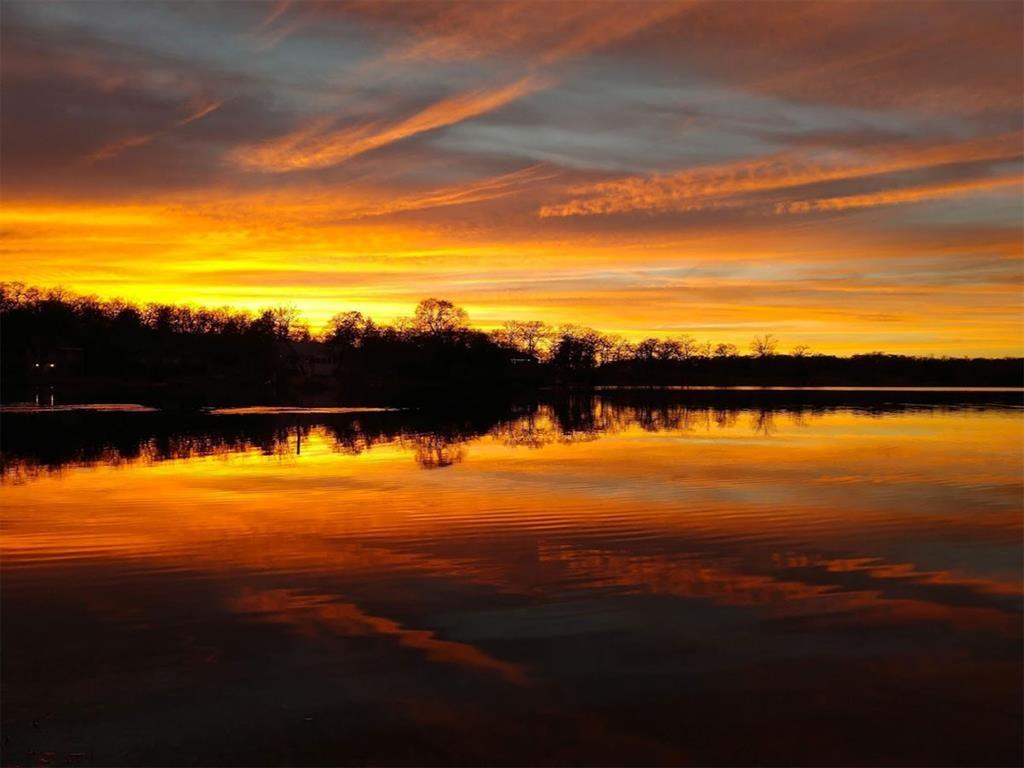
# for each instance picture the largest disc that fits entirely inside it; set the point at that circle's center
(200, 111)
(721, 185)
(958, 57)
(320, 144)
(899, 196)
(538, 32)
(462, 194)
(322, 206)
(279, 8)
(320, 613)
(114, 148)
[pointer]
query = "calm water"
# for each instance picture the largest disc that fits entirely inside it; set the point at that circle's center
(602, 581)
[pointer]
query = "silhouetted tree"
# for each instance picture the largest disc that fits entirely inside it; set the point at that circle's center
(647, 349)
(725, 350)
(348, 329)
(438, 317)
(764, 346)
(526, 337)
(575, 349)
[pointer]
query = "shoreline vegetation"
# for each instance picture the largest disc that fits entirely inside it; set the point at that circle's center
(162, 353)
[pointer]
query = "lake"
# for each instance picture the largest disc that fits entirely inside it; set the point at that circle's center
(631, 578)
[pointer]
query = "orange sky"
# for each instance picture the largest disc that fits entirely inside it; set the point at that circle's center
(845, 175)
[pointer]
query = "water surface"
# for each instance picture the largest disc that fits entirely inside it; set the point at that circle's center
(597, 581)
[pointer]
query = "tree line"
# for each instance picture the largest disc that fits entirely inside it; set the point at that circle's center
(435, 348)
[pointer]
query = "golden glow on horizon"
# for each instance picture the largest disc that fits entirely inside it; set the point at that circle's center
(217, 254)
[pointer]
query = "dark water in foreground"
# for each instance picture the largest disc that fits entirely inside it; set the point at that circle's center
(597, 582)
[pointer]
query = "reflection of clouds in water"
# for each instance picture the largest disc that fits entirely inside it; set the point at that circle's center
(319, 614)
(857, 590)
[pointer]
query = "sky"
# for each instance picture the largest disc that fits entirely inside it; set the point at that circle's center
(844, 175)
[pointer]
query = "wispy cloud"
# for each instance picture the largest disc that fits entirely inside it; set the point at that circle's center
(318, 207)
(913, 194)
(961, 57)
(535, 32)
(462, 194)
(114, 148)
(320, 143)
(718, 186)
(277, 10)
(200, 110)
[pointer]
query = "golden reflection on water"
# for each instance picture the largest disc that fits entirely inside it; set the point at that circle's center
(486, 552)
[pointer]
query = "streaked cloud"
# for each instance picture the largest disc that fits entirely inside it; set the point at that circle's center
(897, 196)
(317, 145)
(570, 30)
(716, 185)
(114, 148)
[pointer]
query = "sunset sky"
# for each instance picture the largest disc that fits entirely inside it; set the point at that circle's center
(846, 175)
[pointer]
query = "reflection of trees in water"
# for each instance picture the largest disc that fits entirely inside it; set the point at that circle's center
(41, 443)
(589, 419)
(433, 451)
(34, 444)
(725, 419)
(763, 422)
(593, 417)
(49, 442)
(804, 418)
(531, 430)
(354, 436)
(32, 447)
